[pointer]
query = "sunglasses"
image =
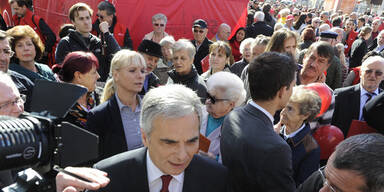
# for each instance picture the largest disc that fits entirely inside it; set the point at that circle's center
(325, 180)
(377, 73)
(214, 99)
(100, 16)
(198, 31)
(157, 24)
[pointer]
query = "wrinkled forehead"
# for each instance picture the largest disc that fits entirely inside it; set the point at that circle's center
(4, 44)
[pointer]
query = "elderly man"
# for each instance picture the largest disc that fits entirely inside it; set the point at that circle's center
(170, 123)
(356, 165)
(223, 33)
(350, 100)
(106, 12)
(324, 16)
(258, 27)
(159, 22)
(201, 43)
(378, 43)
(316, 24)
(256, 157)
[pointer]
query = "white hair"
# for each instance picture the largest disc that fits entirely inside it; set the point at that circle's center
(6, 80)
(324, 27)
(259, 16)
(224, 25)
(284, 12)
(229, 84)
(278, 26)
(169, 101)
(182, 44)
(159, 16)
(167, 40)
(372, 59)
(244, 43)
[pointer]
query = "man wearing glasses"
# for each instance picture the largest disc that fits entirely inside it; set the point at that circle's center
(349, 101)
(159, 22)
(201, 42)
(355, 166)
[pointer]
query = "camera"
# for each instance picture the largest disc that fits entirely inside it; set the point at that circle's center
(41, 139)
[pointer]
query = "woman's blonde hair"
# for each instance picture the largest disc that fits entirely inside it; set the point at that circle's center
(121, 59)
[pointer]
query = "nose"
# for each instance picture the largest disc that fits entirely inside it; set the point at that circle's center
(17, 109)
(181, 153)
(98, 75)
(324, 189)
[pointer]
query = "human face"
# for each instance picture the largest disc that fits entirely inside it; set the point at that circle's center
(247, 54)
(151, 62)
(316, 23)
(290, 46)
(182, 62)
(217, 59)
(173, 142)
(375, 25)
(224, 33)
(341, 180)
(258, 50)
(371, 75)
(103, 16)
(83, 22)
(11, 103)
(19, 11)
(289, 22)
(359, 23)
(221, 106)
(167, 52)
(25, 50)
(291, 117)
(199, 34)
(324, 17)
(159, 26)
(380, 39)
(350, 25)
(5, 55)
(314, 65)
(130, 78)
(89, 79)
(240, 35)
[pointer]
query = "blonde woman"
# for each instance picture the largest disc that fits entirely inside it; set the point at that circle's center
(116, 120)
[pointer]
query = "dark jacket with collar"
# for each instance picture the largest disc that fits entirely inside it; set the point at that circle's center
(119, 31)
(75, 42)
(128, 172)
(202, 52)
(305, 154)
(192, 81)
(153, 81)
(24, 85)
(258, 28)
(238, 67)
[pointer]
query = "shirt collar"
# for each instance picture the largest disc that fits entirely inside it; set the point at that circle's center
(263, 110)
(363, 91)
(121, 105)
(155, 173)
(294, 133)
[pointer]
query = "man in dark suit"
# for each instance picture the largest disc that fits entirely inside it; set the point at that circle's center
(259, 27)
(349, 101)
(170, 122)
(257, 158)
(374, 113)
(201, 42)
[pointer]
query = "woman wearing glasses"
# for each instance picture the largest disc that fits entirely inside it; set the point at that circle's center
(28, 48)
(303, 106)
(225, 92)
(159, 21)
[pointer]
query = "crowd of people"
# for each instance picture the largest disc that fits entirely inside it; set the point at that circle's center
(236, 113)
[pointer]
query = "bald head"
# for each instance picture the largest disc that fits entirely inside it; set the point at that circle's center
(371, 73)
(224, 31)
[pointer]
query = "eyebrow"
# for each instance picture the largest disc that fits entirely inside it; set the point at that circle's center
(173, 141)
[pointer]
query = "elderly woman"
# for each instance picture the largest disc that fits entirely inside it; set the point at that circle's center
(219, 56)
(165, 64)
(116, 120)
(184, 72)
(80, 68)
(159, 21)
(225, 92)
(245, 50)
(28, 48)
(303, 106)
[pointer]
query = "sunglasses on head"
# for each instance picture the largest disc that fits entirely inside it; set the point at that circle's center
(157, 24)
(198, 31)
(100, 16)
(214, 99)
(377, 73)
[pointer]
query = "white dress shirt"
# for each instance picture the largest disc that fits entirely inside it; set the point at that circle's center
(364, 98)
(154, 178)
(262, 110)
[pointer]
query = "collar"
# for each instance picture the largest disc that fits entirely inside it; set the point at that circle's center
(363, 91)
(121, 105)
(294, 133)
(298, 136)
(155, 173)
(262, 110)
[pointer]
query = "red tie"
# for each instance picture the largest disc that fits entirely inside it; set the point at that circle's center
(165, 179)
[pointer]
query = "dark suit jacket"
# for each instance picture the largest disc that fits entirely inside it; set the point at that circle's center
(128, 172)
(105, 121)
(201, 53)
(257, 158)
(258, 28)
(374, 112)
(358, 50)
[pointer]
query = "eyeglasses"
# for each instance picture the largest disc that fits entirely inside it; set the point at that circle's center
(377, 73)
(19, 101)
(325, 181)
(198, 31)
(7, 52)
(157, 24)
(214, 99)
(100, 16)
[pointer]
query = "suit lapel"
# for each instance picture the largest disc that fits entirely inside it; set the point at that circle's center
(190, 178)
(116, 122)
(356, 102)
(142, 181)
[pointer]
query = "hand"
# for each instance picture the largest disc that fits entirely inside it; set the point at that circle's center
(67, 183)
(321, 78)
(104, 27)
(277, 127)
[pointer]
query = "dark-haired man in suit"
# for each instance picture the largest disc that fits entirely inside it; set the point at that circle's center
(256, 157)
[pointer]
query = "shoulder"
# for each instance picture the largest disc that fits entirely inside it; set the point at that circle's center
(101, 109)
(129, 158)
(346, 90)
(210, 168)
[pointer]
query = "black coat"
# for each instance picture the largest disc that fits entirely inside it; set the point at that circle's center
(358, 50)
(202, 52)
(258, 28)
(75, 42)
(238, 67)
(128, 172)
(374, 113)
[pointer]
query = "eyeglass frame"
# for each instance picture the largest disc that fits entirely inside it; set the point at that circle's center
(19, 100)
(377, 72)
(198, 31)
(159, 24)
(10, 54)
(213, 99)
(325, 180)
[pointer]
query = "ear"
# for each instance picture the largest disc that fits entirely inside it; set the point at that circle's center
(144, 137)
(281, 91)
(77, 75)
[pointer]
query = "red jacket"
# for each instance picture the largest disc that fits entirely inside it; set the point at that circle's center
(119, 33)
(27, 20)
(351, 37)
